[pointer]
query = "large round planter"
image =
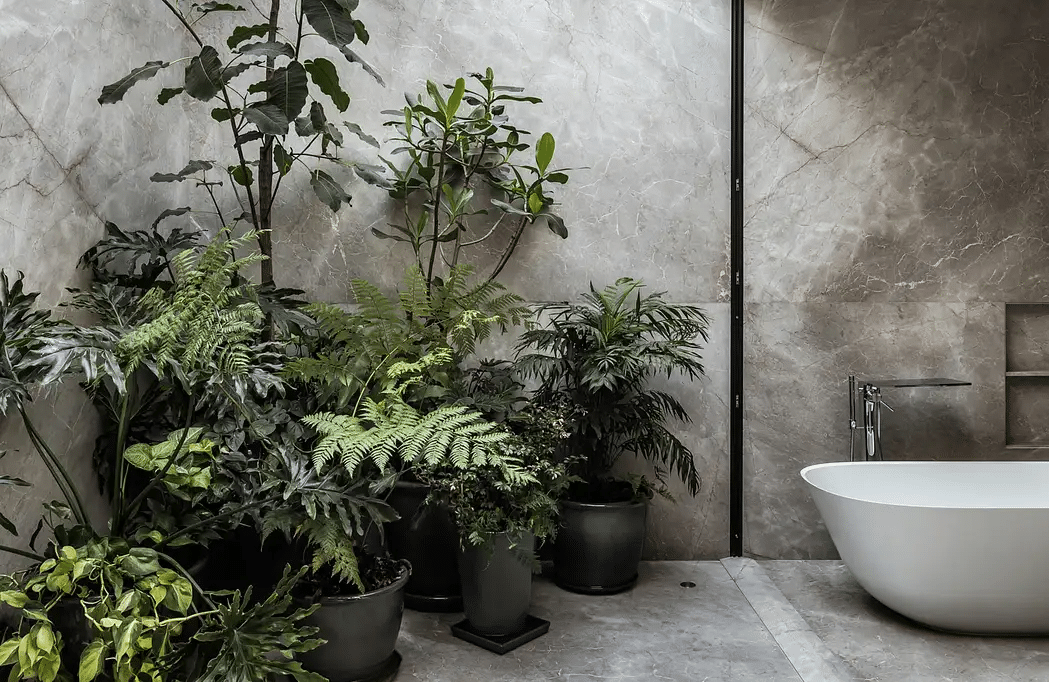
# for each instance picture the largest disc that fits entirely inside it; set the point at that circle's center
(426, 537)
(361, 633)
(598, 547)
(497, 585)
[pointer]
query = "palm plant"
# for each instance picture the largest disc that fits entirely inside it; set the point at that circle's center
(599, 356)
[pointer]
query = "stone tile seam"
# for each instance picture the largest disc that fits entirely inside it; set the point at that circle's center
(799, 643)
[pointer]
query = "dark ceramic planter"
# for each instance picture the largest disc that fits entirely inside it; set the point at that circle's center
(426, 537)
(598, 547)
(361, 632)
(497, 586)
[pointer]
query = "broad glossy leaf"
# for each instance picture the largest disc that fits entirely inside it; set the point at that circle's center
(166, 94)
(204, 74)
(331, 20)
(192, 167)
(169, 213)
(269, 50)
(326, 77)
(221, 114)
(114, 92)
(91, 661)
(365, 137)
(354, 58)
(328, 190)
(140, 561)
(558, 177)
(234, 70)
(242, 33)
(362, 32)
(282, 159)
(241, 175)
(268, 118)
(286, 89)
(213, 6)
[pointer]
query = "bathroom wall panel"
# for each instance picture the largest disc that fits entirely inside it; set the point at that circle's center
(797, 409)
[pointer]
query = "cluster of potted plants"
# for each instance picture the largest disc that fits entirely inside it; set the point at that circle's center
(283, 476)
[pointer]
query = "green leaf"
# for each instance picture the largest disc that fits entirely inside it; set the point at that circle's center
(14, 598)
(329, 191)
(114, 92)
(268, 118)
(286, 89)
(8, 525)
(354, 58)
(45, 638)
(326, 77)
(282, 158)
(331, 20)
(535, 202)
(221, 114)
(365, 137)
(241, 175)
(455, 98)
(167, 93)
(242, 33)
(209, 7)
(269, 50)
(8, 652)
(559, 177)
(180, 596)
(192, 167)
(204, 74)
(169, 213)
(362, 32)
(140, 561)
(91, 661)
(544, 152)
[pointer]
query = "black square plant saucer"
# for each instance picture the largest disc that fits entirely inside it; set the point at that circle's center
(500, 644)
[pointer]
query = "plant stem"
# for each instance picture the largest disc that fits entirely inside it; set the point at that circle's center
(436, 213)
(181, 569)
(218, 517)
(510, 247)
(58, 471)
(21, 552)
(266, 171)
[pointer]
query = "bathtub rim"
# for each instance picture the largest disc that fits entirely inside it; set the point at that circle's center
(909, 463)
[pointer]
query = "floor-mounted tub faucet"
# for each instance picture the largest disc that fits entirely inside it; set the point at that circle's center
(868, 394)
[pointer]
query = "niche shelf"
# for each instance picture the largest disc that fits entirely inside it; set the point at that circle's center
(1027, 376)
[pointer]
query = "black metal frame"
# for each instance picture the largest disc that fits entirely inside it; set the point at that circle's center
(736, 290)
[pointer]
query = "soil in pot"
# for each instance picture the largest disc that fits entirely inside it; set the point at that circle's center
(361, 629)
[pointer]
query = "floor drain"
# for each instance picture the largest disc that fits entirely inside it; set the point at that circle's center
(688, 583)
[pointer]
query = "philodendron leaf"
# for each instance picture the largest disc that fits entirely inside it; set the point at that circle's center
(269, 50)
(331, 20)
(191, 168)
(544, 152)
(328, 190)
(114, 92)
(268, 118)
(204, 74)
(91, 661)
(326, 77)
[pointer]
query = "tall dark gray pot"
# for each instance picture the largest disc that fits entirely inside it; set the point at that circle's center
(497, 585)
(426, 538)
(361, 632)
(598, 547)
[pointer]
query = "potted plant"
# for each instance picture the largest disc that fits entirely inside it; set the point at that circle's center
(113, 604)
(499, 519)
(599, 355)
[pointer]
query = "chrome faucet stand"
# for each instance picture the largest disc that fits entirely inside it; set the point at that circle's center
(868, 395)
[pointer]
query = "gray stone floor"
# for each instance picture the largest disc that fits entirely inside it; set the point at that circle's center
(790, 621)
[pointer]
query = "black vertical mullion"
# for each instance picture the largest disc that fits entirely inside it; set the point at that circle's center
(736, 289)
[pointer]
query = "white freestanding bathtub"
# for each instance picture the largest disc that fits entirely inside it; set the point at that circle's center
(960, 546)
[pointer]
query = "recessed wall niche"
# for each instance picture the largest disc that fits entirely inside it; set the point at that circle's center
(1027, 376)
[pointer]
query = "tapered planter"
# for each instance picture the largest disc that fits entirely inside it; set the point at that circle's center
(497, 585)
(427, 538)
(361, 633)
(598, 547)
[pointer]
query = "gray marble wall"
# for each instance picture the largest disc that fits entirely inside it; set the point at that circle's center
(68, 165)
(636, 95)
(896, 200)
